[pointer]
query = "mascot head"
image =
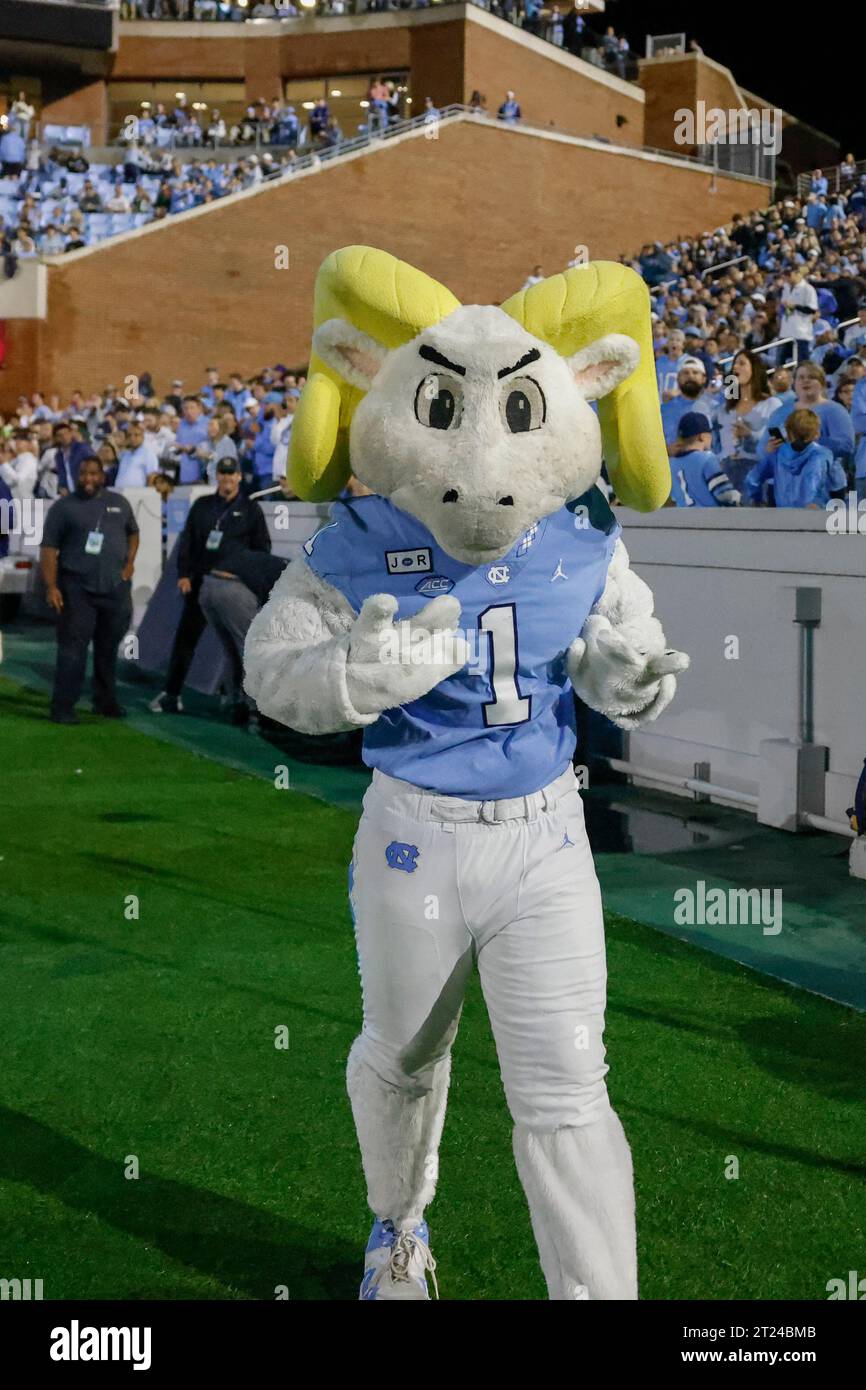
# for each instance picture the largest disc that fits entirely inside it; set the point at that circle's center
(477, 420)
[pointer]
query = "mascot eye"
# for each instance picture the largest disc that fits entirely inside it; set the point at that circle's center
(522, 405)
(439, 402)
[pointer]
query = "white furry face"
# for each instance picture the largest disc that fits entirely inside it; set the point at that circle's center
(476, 427)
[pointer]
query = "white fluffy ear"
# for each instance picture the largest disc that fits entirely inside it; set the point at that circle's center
(604, 364)
(353, 355)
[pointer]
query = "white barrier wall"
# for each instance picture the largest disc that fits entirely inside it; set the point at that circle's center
(25, 295)
(146, 506)
(724, 585)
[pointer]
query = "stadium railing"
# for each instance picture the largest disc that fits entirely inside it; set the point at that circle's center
(779, 343)
(723, 265)
(836, 180)
(452, 111)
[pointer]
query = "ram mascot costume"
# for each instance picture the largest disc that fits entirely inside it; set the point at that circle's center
(450, 615)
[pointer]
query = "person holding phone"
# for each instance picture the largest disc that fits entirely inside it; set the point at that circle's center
(799, 468)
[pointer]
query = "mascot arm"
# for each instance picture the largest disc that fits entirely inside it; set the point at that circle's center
(620, 665)
(315, 665)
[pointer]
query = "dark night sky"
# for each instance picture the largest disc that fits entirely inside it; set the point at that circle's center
(816, 73)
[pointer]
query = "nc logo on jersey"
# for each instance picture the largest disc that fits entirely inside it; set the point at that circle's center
(436, 584)
(498, 574)
(400, 856)
(409, 561)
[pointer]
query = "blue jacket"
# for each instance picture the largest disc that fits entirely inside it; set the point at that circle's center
(837, 430)
(799, 478)
(69, 465)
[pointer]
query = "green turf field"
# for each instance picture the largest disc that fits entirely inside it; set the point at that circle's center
(154, 1038)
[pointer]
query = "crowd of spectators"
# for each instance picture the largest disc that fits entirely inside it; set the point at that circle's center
(757, 324)
(159, 127)
(144, 440)
(54, 200)
(760, 346)
(60, 202)
(560, 24)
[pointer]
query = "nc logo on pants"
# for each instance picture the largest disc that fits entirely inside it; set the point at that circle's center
(400, 856)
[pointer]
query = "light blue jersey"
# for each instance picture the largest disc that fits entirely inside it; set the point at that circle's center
(504, 725)
(699, 480)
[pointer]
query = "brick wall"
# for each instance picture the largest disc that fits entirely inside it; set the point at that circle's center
(550, 93)
(76, 101)
(297, 55)
(679, 83)
(476, 208)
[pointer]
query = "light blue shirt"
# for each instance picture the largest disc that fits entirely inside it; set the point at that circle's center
(135, 467)
(673, 411)
(191, 433)
(504, 725)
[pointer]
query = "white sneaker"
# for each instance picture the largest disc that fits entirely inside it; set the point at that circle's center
(397, 1263)
(166, 704)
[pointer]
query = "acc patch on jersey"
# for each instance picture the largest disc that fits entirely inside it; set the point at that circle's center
(435, 584)
(401, 856)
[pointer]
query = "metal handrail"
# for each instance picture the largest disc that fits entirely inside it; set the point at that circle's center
(835, 182)
(779, 342)
(711, 269)
(747, 800)
(401, 127)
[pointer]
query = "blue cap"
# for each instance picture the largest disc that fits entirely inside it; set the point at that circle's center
(693, 423)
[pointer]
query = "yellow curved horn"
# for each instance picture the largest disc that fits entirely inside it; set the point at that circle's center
(571, 310)
(388, 299)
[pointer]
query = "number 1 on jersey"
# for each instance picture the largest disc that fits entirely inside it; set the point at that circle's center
(508, 706)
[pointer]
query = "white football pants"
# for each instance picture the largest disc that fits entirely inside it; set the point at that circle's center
(438, 884)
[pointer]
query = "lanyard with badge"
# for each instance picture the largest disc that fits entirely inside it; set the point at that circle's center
(215, 537)
(95, 538)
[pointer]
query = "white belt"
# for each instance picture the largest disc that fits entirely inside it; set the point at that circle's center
(432, 806)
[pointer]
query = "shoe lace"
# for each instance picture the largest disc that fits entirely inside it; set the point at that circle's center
(406, 1245)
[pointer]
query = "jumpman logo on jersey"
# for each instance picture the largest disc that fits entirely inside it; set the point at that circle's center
(566, 843)
(559, 572)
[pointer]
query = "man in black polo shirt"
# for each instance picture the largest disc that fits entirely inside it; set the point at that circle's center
(223, 520)
(89, 544)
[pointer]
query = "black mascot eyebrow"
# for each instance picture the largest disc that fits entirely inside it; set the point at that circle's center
(531, 356)
(431, 355)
